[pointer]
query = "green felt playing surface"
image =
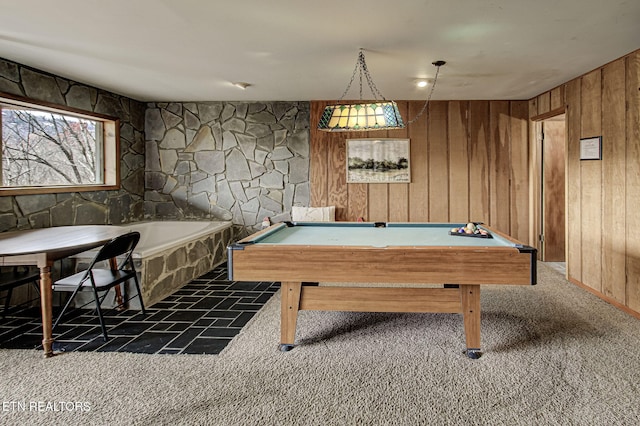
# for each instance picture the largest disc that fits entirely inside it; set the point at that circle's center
(366, 234)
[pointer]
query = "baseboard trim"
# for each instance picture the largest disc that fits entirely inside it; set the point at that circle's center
(605, 298)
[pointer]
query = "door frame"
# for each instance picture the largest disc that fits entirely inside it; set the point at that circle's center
(537, 177)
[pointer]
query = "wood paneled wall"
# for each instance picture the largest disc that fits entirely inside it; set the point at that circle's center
(469, 161)
(603, 197)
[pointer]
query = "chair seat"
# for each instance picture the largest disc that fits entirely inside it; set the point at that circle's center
(103, 278)
(18, 276)
(100, 279)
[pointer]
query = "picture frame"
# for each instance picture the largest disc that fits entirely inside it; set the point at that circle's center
(378, 160)
(591, 148)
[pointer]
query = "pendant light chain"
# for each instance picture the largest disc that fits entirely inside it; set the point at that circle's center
(437, 64)
(377, 114)
(361, 66)
(372, 85)
(351, 81)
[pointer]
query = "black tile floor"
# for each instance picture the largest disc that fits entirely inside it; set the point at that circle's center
(200, 318)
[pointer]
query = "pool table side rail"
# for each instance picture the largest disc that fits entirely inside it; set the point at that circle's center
(429, 265)
(258, 236)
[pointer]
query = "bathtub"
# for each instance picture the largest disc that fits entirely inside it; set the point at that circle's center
(158, 236)
(170, 254)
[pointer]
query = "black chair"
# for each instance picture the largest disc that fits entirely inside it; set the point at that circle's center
(98, 280)
(16, 276)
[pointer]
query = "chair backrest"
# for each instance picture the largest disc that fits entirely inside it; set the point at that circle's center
(122, 244)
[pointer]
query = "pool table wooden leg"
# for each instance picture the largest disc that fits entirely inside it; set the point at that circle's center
(289, 306)
(470, 295)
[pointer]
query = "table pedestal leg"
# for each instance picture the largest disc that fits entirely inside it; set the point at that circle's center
(470, 295)
(289, 306)
(46, 297)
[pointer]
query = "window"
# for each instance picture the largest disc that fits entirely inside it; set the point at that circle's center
(48, 148)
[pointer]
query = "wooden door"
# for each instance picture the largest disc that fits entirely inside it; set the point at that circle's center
(553, 189)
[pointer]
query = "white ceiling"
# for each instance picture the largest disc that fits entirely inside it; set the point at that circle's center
(192, 50)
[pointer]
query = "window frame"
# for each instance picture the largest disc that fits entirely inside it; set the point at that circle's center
(110, 155)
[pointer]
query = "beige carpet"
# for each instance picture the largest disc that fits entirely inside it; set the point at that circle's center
(553, 354)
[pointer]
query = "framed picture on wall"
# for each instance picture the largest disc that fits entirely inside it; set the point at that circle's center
(378, 160)
(591, 148)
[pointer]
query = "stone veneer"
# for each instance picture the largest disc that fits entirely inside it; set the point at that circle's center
(232, 161)
(236, 161)
(165, 272)
(78, 208)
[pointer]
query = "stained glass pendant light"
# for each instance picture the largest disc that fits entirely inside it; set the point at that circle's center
(365, 115)
(372, 115)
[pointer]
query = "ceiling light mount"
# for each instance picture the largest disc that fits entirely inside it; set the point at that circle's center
(241, 85)
(367, 115)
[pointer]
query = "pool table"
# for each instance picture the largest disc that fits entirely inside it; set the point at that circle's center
(397, 259)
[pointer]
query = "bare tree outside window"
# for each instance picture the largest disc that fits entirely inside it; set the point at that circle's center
(41, 148)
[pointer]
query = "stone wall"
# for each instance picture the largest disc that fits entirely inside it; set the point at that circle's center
(233, 161)
(166, 272)
(79, 208)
